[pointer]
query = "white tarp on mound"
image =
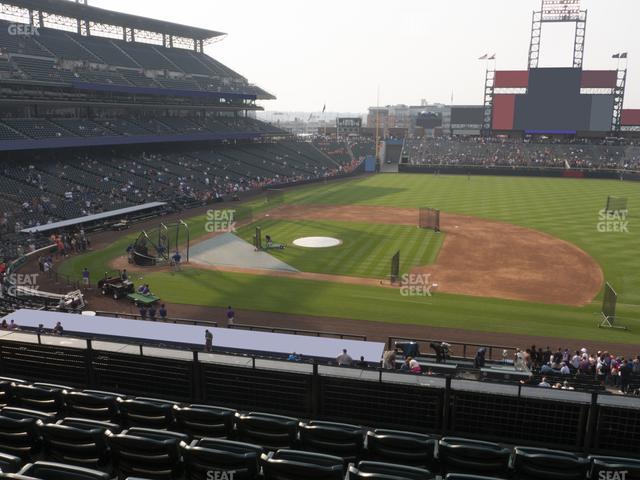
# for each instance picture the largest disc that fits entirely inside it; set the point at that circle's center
(229, 250)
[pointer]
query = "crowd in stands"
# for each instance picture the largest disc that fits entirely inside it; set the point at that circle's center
(502, 153)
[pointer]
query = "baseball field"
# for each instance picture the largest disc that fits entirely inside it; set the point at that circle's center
(522, 256)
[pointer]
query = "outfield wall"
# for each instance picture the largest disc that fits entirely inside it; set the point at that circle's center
(521, 171)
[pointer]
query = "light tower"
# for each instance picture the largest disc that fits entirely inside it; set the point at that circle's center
(558, 11)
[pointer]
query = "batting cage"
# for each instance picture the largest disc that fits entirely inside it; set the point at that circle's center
(157, 246)
(609, 302)
(395, 268)
(429, 218)
(616, 204)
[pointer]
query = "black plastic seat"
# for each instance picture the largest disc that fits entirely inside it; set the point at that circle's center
(156, 434)
(387, 471)
(146, 414)
(464, 476)
(6, 386)
(92, 406)
(405, 448)
(214, 454)
(145, 457)
(60, 471)
(270, 431)
(296, 465)
(49, 400)
(20, 413)
(462, 455)
(20, 436)
(200, 421)
(340, 439)
(601, 463)
(544, 464)
(82, 444)
(9, 463)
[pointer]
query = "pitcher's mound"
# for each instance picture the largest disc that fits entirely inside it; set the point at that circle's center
(231, 251)
(317, 242)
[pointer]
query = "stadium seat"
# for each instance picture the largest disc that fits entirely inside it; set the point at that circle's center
(540, 463)
(146, 414)
(204, 421)
(143, 456)
(20, 436)
(213, 454)
(296, 465)
(91, 405)
(387, 471)
(60, 471)
(462, 455)
(346, 441)
(82, 444)
(43, 399)
(463, 476)
(270, 431)
(20, 413)
(401, 447)
(6, 385)
(600, 463)
(9, 463)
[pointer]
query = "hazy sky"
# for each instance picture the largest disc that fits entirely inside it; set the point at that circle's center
(339, 52)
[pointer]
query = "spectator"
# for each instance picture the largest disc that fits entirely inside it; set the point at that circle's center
(175, 260)
(479, 361)
(344, 360)
(40, 330)
(4, 325)
(124, 275)
(565, 369)
(143, 312)
(231, 315)
(58, 330)
(208, 340)
(293, 357)
(415, 367)
(361, 363)
(544, 383)
(85, 277)
(389, 360)
(144, 289)
(152, 312)
(163, 311)
(13, 325)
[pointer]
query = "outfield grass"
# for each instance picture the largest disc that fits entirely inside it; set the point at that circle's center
(565, 208)
(366, 248)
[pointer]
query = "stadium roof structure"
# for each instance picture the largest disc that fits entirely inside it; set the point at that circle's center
(88, 13)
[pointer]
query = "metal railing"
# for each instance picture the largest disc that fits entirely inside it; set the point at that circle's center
(298, 331)
(462, 350)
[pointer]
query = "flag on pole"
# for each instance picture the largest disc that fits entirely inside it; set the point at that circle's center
(324, 108)
(310, 117)
(623, 55)
(484, 57)
(492, 57)
(617, 55)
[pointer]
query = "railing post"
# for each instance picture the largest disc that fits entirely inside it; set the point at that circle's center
(196, 378)
(90, 378)
(592, 418)
(315, 401)
(446, 407)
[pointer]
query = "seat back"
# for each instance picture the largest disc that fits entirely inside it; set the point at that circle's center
(59, 471)
(405, 448)
(296, 465)
(200, 421)
(140, 456)
(86, 447)
(42, 399)
(199, 461)
(388, 471)
(270, 431)
(540, 463)
(461, 455)
(146, 414)
(91, 406)
(346, 441)
(20, 436)
(9, 463)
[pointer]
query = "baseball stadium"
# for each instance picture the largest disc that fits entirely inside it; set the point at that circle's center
(189, 292)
